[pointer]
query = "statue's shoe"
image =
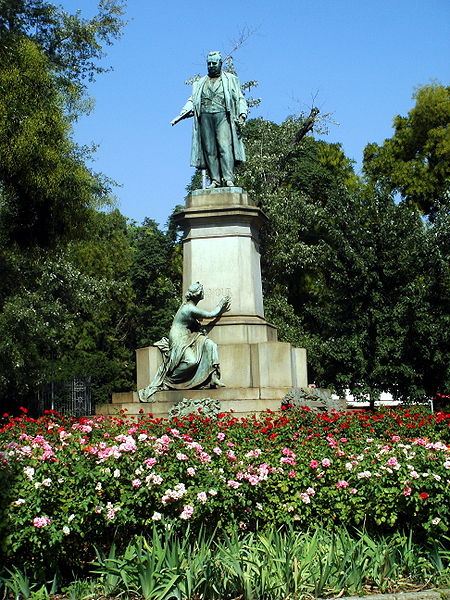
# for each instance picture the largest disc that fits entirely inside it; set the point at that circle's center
(230, 183)
(213, 184)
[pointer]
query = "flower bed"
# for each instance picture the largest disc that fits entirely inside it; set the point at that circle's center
(68, 484)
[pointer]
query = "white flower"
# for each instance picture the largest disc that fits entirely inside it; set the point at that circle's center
(98, 486)
(71, 518)
(157, 516)
(19, 502)
(116, 473)
(29, 472)
(47, 482)
(66, 530)
(436, 521)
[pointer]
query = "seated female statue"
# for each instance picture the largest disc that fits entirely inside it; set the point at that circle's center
(190, 358)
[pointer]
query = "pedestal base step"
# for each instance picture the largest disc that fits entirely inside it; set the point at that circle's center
(242, 402)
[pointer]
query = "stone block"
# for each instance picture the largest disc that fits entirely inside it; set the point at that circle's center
(271, 365)
(242, 330)
(218, 196)
(125, 397)
(147, 363)
(234, 365)
(299, 367)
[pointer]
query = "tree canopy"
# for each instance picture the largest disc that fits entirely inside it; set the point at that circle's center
(415, 161)
(356, 278)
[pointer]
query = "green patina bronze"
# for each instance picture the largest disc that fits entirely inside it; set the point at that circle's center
(190, 358)
(219, 109)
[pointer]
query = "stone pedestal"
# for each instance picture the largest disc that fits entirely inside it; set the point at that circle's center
(221, 250)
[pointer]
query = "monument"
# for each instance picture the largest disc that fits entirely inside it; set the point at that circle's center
(218, 108)
(221, 227)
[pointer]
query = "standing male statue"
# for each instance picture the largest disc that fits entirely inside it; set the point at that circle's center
(219, 109)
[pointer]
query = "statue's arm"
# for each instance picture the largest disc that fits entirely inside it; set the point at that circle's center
(186, 112)
(223, 306)
(242, 106)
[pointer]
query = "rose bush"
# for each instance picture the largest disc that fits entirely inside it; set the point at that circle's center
(68, 485)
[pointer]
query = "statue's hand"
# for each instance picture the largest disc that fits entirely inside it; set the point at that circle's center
(183, 115)
(225, 302)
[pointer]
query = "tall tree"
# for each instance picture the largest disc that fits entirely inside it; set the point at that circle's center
(415, 162)
(46, 190)
(347, 273)
(47, 194)
(73, 45)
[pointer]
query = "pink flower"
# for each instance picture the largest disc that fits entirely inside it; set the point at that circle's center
(392, 462)
(136, 483)
(254, 453)
(396, 438)
(220, 436)
(202, 497)
(187, 513)
(342, 484)
(233, 484)
(41, 522)
(204, 457)
(314, 464)
(311, 491)
(231, 455)
(326, 462)
(292, 474)
(190, 471)
(288, 452)
(217, 451)
(253, 479)
(305, 498)
(353, 491)
(407, 491)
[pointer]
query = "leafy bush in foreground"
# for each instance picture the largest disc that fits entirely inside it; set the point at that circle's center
(69, 485)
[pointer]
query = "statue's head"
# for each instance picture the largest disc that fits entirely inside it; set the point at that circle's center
(195, 292)
(214, 62)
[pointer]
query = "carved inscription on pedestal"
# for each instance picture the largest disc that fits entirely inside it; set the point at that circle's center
(217, 292)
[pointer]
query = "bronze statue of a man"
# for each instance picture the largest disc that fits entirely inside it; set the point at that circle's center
(219, 109)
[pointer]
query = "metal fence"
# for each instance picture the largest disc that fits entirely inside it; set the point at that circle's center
(72, 398)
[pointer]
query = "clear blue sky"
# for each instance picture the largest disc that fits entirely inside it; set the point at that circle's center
(357, 59)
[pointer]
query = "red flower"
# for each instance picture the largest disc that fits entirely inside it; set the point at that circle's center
(423, 495)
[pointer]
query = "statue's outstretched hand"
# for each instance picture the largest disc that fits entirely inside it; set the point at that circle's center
(183, 115)
(225, 303)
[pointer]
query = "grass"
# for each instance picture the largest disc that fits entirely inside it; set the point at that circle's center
(265, 565)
